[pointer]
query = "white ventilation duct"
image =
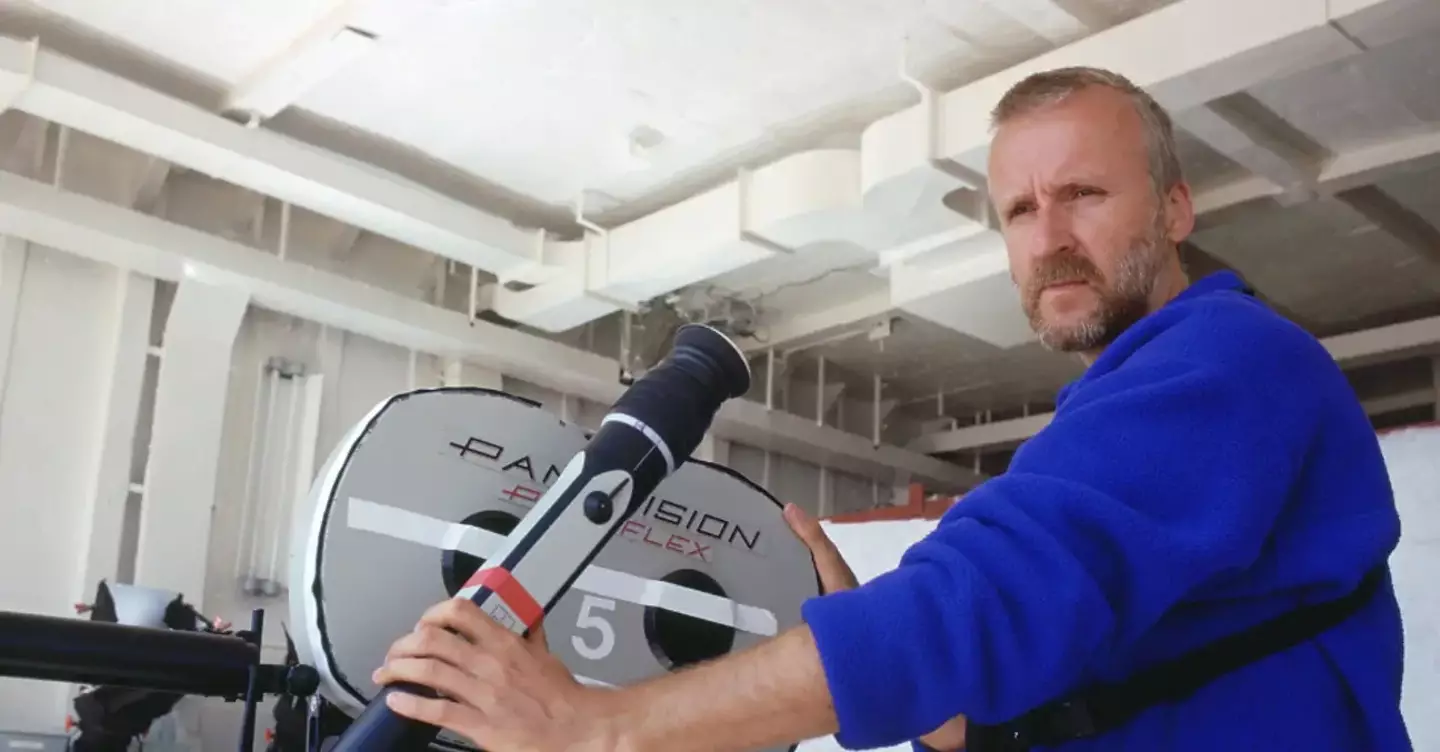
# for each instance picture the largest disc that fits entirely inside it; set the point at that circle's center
(811, 199)
(888, 197)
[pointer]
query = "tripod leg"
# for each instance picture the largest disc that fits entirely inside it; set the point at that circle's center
(312, 723)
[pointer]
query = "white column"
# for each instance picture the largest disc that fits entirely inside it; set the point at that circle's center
(462, 373)
(57, 322)
(120, 386)
(330, 352)
(180, 476)
(13, 253)
(569, 408)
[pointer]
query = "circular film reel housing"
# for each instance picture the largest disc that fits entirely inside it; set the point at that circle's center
(425, 487)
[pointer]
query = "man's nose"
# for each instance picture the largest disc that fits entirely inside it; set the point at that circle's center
(1054, 232)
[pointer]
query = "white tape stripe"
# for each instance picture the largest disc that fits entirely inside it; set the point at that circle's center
(457, 537)
(419, 528)
(712, 608)
(648, 432)
(592, 682)
(402, 523)
(452, 536)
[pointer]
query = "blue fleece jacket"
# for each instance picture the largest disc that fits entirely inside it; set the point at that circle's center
(1211, 469)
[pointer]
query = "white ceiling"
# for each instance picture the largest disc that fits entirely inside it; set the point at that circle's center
(542, 97)
(516, 109)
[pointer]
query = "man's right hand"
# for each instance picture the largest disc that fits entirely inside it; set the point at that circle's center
(835, 575)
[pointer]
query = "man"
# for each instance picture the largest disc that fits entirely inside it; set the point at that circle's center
(1211, 471)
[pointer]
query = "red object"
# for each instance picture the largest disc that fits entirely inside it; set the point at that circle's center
(1429, 424)
(511, 591)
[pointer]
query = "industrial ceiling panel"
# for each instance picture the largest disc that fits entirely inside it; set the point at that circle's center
(220, 40)
(1324, 261)
(1357, 99)
(552, 99)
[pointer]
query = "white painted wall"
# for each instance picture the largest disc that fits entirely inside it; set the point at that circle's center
(72, 341)
(1411, 455)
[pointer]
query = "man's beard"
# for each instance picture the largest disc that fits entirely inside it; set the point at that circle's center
(1121, 303)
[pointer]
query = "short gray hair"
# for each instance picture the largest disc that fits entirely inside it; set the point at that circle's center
(1050, 87)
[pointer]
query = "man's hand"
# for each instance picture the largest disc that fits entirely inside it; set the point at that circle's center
(836, 575)
(500, 691)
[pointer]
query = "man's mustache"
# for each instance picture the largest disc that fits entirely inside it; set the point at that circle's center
(1062, 270)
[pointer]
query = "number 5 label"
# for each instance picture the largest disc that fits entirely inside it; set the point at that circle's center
(589, 620)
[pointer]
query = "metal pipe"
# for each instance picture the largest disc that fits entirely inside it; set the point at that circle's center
(474, 293)
(282, 499)
(770, 379)
(252, 695)
(823, 502)
(274, 383)
(52, 648)
(284, 243)
(248, 500)
(62, 150)
(625, 326)
(875, 416)
(442, 278)
(820, 394)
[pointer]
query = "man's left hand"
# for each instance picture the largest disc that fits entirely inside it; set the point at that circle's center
(502, 692)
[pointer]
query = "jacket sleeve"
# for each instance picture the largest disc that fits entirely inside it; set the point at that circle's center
(1150, 479)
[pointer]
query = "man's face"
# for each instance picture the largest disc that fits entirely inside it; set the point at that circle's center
(1086, 234)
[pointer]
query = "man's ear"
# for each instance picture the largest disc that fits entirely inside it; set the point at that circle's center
(1179, 212)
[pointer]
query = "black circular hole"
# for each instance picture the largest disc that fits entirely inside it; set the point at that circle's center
(679, 640)
(457, 566)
